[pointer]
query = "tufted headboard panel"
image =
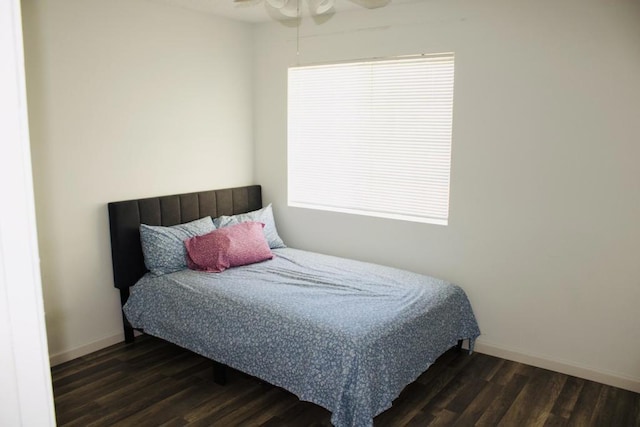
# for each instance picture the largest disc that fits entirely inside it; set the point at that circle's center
(125, 218)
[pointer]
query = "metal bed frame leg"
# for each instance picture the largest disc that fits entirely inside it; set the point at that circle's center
(470, 348)
(219, 373)
(128, 329)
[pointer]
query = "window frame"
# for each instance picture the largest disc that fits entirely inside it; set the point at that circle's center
(446, 62)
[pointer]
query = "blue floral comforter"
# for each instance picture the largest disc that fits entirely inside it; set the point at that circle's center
(343, 334)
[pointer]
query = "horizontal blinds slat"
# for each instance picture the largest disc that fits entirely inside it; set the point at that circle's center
(372, 138)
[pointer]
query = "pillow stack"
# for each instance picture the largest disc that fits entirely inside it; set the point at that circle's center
(211, 244)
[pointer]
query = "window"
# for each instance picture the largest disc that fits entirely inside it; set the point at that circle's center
(372, 138)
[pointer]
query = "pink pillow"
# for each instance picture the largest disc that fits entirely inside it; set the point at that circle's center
(226, 247)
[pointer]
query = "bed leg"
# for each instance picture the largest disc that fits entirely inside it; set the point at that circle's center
(459, 346)
(219, 373)
(128, 329)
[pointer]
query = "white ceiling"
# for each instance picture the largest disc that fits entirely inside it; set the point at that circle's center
(258, 10)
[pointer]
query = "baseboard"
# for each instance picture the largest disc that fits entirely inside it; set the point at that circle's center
(481, 346)
(65, 356)
(564, 367)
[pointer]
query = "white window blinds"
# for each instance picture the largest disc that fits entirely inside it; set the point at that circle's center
(372, 138)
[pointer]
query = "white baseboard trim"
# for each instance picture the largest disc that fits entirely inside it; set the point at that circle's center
(65, 356)
(564, 367)
(481, 346)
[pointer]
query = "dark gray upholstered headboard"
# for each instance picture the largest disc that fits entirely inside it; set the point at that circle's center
(125, 219)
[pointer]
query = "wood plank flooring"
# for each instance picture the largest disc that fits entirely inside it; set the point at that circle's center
(153, 383)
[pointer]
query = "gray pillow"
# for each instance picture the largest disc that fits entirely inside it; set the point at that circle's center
(264, 215)
(163, 247)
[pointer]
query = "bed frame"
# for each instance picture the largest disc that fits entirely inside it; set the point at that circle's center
(125, 218)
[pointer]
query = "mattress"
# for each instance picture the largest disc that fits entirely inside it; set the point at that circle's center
(343, 334)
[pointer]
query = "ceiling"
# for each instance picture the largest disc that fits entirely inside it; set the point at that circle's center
(257, 10)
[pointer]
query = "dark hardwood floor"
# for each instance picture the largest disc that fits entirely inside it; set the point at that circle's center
(153, 383)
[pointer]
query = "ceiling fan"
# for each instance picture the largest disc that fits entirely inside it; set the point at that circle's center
(291, 8)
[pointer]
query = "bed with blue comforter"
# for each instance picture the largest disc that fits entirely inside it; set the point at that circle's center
(346, 335)
(343, 334)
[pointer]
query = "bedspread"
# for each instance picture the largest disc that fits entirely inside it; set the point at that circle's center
(343, 334)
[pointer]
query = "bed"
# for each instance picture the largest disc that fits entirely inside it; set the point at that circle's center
(343, 334)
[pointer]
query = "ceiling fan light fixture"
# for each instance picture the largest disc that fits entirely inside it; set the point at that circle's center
(318, 7)
(288, 9)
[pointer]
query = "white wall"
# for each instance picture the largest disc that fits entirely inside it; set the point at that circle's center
(127, 98)
(545, 197)
(26, 397)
